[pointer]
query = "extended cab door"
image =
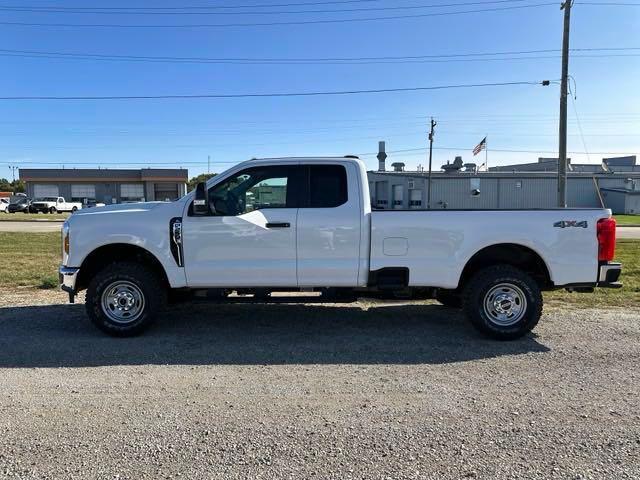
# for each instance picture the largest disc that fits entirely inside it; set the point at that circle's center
(329, 223)
(249, 240)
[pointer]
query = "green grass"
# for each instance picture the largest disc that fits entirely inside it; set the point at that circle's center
(32, 259)
(627, 219)
(29, 259)
(21, 217)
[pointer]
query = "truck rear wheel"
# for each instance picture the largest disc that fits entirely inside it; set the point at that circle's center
(124, 299)
(503, 302)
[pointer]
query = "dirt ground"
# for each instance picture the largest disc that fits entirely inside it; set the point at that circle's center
(365, 390)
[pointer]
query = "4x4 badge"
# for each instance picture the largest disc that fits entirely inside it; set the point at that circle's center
(571, 223)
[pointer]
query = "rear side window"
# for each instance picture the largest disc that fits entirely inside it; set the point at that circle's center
(327, 186)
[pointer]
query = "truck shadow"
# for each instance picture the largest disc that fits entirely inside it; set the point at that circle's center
(252, 334)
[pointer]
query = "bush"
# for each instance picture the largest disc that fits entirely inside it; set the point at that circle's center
(48, 282)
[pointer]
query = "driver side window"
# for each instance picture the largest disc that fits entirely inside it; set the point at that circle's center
(254, 189)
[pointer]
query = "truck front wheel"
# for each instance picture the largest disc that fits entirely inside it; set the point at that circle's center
(52, 210)
(503, 302)
(124, 299)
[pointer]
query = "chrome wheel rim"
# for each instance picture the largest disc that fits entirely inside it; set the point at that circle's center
(505, 304)
(123, 302)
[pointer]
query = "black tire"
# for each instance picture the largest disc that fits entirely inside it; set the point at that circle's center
(74, 209)
(449, 298)
(494, 293)
(137, 281)
(52, 210)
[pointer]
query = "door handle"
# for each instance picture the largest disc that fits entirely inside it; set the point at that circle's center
(278, 225)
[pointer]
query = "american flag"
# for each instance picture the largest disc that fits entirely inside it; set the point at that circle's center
(481, 146)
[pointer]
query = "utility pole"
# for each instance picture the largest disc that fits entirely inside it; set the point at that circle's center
(13, 172)
(208, 164)
(433, 125)
(562, 147)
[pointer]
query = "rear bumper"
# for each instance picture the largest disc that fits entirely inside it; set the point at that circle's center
(609, 274)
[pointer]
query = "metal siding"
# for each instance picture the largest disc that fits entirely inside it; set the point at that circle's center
(614, 201)
(633, 205)
(581, 192)
(533, 193)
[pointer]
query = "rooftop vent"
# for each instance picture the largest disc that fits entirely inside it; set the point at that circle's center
(398, 166)
(454, 167)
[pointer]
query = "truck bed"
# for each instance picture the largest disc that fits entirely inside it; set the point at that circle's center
(435, 245)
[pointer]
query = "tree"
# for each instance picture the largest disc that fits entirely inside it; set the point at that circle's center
(16, 186)
(5, 185)
(203, 177)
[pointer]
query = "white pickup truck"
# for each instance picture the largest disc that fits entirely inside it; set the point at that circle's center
(54, 205)
(306, 224)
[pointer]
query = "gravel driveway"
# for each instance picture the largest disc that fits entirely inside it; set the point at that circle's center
(364, 390)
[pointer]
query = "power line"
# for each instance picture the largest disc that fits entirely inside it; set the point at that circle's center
(457, 57)
(270, 24)
(263, 95)
(462, 149)
(280, 12)
(612, 4)
(199, 7)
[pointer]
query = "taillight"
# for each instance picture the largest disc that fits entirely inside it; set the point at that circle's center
(606, 239)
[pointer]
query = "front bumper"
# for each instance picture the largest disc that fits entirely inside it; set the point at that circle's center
(609, 274)
(68, 277)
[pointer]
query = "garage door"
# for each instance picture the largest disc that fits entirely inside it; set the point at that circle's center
(80, 192)
(165, 191)
(132, 192)
(40, 191)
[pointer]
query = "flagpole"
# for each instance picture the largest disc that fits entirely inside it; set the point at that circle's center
(486, 154)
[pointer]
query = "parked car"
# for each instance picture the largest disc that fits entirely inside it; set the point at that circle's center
(54, 204)
(19, 204)
(306, 225)
(4, 203)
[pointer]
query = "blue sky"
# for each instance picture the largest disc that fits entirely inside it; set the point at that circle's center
(127, 133)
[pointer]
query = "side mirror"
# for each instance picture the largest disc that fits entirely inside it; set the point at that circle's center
(201, 202)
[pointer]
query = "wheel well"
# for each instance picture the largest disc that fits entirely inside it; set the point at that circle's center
(117, 252)
(512, 254)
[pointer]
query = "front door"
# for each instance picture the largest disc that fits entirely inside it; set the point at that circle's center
(249, 239)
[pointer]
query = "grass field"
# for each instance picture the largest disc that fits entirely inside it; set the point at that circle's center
(627, 219)
(21, 217)
(31, 260)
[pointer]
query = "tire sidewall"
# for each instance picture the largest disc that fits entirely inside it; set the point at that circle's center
(485, 281)
(137, 275)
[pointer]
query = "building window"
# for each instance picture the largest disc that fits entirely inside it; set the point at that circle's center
(83, 193)
(519, 184)
(132, 192)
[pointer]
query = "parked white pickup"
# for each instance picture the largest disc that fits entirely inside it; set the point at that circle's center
(54, 204)
(306, 224)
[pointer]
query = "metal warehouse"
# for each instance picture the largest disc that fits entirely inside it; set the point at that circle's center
(105, 185)
(615, 183)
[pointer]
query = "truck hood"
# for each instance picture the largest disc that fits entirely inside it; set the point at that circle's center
(121, 208)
